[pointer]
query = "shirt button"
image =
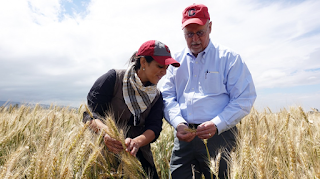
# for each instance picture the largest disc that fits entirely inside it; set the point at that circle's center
(192, 88)
(195, 75)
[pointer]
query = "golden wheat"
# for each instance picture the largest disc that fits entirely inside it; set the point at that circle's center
(283, 144)
(37, 142)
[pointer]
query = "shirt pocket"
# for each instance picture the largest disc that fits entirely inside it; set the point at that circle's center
(213, 83)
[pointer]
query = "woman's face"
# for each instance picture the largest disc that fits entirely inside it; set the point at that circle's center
(153, 72)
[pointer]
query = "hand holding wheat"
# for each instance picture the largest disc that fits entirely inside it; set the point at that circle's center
(184, 134)
(132, 146)
(206, 130)
(112, 144)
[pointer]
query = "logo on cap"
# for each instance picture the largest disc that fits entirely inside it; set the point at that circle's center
(191, 12)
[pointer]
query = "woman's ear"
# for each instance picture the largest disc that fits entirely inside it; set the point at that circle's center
(143, 62)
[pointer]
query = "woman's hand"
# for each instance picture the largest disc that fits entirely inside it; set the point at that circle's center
(112, 144)
(132, 146)
(116, 147)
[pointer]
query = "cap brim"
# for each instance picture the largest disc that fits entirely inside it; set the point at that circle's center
(199, 21)
(166, 60)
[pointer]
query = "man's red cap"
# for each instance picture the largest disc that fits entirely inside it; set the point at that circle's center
(195, 14)
(158, 51)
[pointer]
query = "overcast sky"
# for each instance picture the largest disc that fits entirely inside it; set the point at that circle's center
(52, 51)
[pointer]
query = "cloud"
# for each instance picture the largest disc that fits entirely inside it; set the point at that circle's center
(53, 51)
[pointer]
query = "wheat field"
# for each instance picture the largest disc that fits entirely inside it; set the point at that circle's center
(53, 142)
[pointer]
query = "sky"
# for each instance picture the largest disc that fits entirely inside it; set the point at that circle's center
(51, 52)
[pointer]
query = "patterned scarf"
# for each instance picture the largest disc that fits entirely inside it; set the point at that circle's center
(136, 96)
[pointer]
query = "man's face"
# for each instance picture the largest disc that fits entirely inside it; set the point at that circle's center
(197, 37)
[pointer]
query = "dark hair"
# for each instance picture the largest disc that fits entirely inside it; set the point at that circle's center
(136, 60)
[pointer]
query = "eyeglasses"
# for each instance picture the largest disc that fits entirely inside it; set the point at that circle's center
(200, 33)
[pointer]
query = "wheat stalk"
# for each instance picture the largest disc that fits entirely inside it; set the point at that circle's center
(279, 169)
(78, 136)
(80, 154)
(90, 162)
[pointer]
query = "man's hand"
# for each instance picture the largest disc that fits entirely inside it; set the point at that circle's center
(183, 134)
(206, 130)
(112, 144)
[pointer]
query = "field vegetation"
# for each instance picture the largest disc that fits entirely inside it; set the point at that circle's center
(53, 142)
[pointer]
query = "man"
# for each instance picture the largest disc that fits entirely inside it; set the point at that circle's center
(211, 91)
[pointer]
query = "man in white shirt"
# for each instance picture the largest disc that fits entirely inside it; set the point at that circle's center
(211, 91)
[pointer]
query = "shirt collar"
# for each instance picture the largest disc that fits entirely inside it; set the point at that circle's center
(202, 54)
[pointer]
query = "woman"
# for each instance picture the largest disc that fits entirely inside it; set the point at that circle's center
(134, 100)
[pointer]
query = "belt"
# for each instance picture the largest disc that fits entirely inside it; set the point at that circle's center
(193, 126)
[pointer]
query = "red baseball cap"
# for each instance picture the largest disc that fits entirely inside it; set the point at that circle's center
(195, 14)
(158, 51)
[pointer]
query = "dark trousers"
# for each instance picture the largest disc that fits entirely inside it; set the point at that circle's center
(189, 159)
